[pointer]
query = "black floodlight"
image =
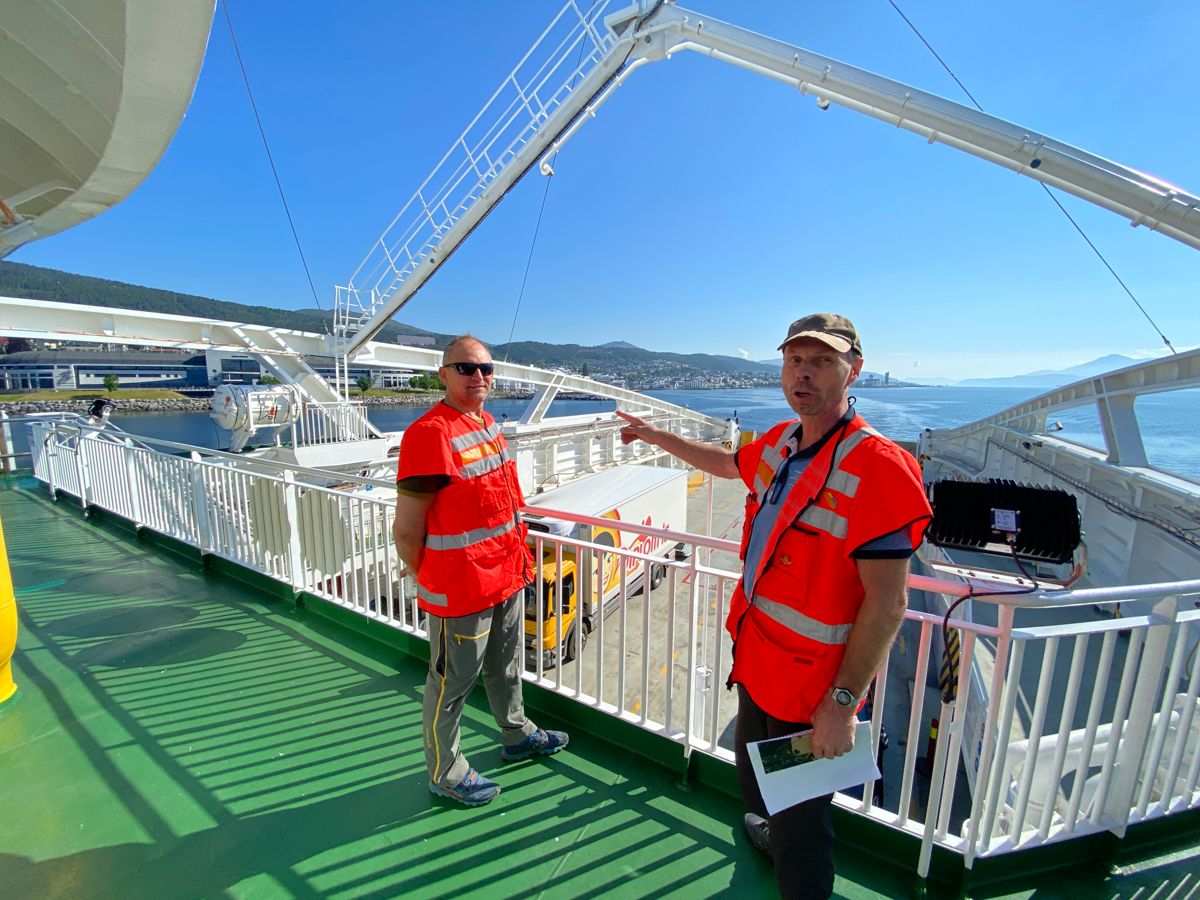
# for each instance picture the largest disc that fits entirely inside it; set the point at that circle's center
(1003, 517)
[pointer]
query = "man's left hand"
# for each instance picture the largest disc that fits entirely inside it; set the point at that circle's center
(832, 729)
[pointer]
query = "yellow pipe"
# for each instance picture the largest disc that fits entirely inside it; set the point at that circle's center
(8, 624)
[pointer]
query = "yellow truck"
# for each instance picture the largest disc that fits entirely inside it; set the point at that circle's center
(649, 496)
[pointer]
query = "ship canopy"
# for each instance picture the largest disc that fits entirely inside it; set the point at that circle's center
(91, 93)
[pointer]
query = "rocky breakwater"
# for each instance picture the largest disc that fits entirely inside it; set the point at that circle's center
(171, 404)
(15, 406)
(414, 399)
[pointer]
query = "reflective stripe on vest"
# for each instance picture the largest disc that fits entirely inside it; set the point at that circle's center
(485, 465)
(843, 483)
(798, 623)
(825, 520)
(471, 438)
(769, 462)
(839, 480)
(432, 598)
(850, 442)
(467, 538)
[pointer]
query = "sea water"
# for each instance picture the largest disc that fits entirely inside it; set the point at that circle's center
(1170, 422)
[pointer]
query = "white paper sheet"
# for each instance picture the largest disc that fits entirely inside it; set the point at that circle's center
(792, 775)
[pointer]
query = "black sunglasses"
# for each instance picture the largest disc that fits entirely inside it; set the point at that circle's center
(470, 369)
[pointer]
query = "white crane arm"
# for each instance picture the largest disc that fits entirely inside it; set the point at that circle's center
(405, 258)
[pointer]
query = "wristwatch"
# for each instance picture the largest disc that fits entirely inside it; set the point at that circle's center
(844, 698)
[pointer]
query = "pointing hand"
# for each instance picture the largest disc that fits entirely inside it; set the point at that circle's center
(637, 429)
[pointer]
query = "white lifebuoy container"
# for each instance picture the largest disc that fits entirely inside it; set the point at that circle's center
(248, 407)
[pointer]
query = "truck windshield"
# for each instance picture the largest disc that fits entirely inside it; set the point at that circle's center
(549, 588)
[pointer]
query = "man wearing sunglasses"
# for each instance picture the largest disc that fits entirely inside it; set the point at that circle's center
(458, 527)
(833, 513)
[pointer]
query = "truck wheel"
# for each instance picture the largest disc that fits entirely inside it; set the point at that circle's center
(569, 640)
(657, 573)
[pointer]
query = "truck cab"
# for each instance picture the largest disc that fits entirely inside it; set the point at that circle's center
(591, 510)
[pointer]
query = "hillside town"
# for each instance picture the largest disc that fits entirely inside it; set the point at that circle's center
(37, 365)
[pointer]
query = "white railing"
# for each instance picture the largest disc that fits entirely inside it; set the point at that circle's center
(653, 658)
(549, 456)
(1055, 749)
(1105, 753)
(325, 423)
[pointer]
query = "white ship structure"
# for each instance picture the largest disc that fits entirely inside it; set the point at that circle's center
(1069, 696)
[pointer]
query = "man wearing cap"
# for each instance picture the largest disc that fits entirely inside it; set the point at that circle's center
(834, 512)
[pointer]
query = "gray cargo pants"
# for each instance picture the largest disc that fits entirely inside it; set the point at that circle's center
(460, 648)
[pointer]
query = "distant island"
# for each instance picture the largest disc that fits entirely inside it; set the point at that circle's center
(1050, 379)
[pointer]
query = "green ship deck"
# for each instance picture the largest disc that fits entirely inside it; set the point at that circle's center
(180, 733)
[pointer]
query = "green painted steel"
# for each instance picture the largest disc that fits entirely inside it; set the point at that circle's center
(180, 733)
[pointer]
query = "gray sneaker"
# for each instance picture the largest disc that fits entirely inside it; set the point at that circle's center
(759, 832)
(543, 743)
(473, 790)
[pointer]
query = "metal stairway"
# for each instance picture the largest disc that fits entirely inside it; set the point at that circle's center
(548, 89)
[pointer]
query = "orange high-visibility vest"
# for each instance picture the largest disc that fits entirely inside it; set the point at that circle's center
(790, 637)
(475, 553)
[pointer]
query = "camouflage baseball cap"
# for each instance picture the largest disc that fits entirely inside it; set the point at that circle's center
(829, 328)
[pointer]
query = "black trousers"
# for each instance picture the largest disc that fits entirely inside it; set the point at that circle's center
(801, 836)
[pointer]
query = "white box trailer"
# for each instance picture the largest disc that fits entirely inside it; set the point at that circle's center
(650, 496)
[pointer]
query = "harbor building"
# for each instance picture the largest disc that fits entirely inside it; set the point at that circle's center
(74, 369)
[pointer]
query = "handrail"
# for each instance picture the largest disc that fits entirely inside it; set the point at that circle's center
(1098, 596)
(1180, 371)
(242, 461)
(1016, 598)
(667, 534)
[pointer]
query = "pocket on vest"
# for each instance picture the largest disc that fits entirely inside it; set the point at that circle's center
(495, 572)
(815, 670)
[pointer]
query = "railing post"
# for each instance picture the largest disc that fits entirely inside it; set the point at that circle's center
(976, 841)
(695, 678)
(50, 458)
(933, 803)
(1138, 727)
(6, 444)
(200, 504)
(291, 523)
(135, 495)
(81, 470)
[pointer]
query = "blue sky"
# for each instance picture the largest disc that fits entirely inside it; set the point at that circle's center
(705, 208)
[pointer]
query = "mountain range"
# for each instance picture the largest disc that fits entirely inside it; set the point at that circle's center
(1043, 378)
(38, 283)
(1046, 378)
